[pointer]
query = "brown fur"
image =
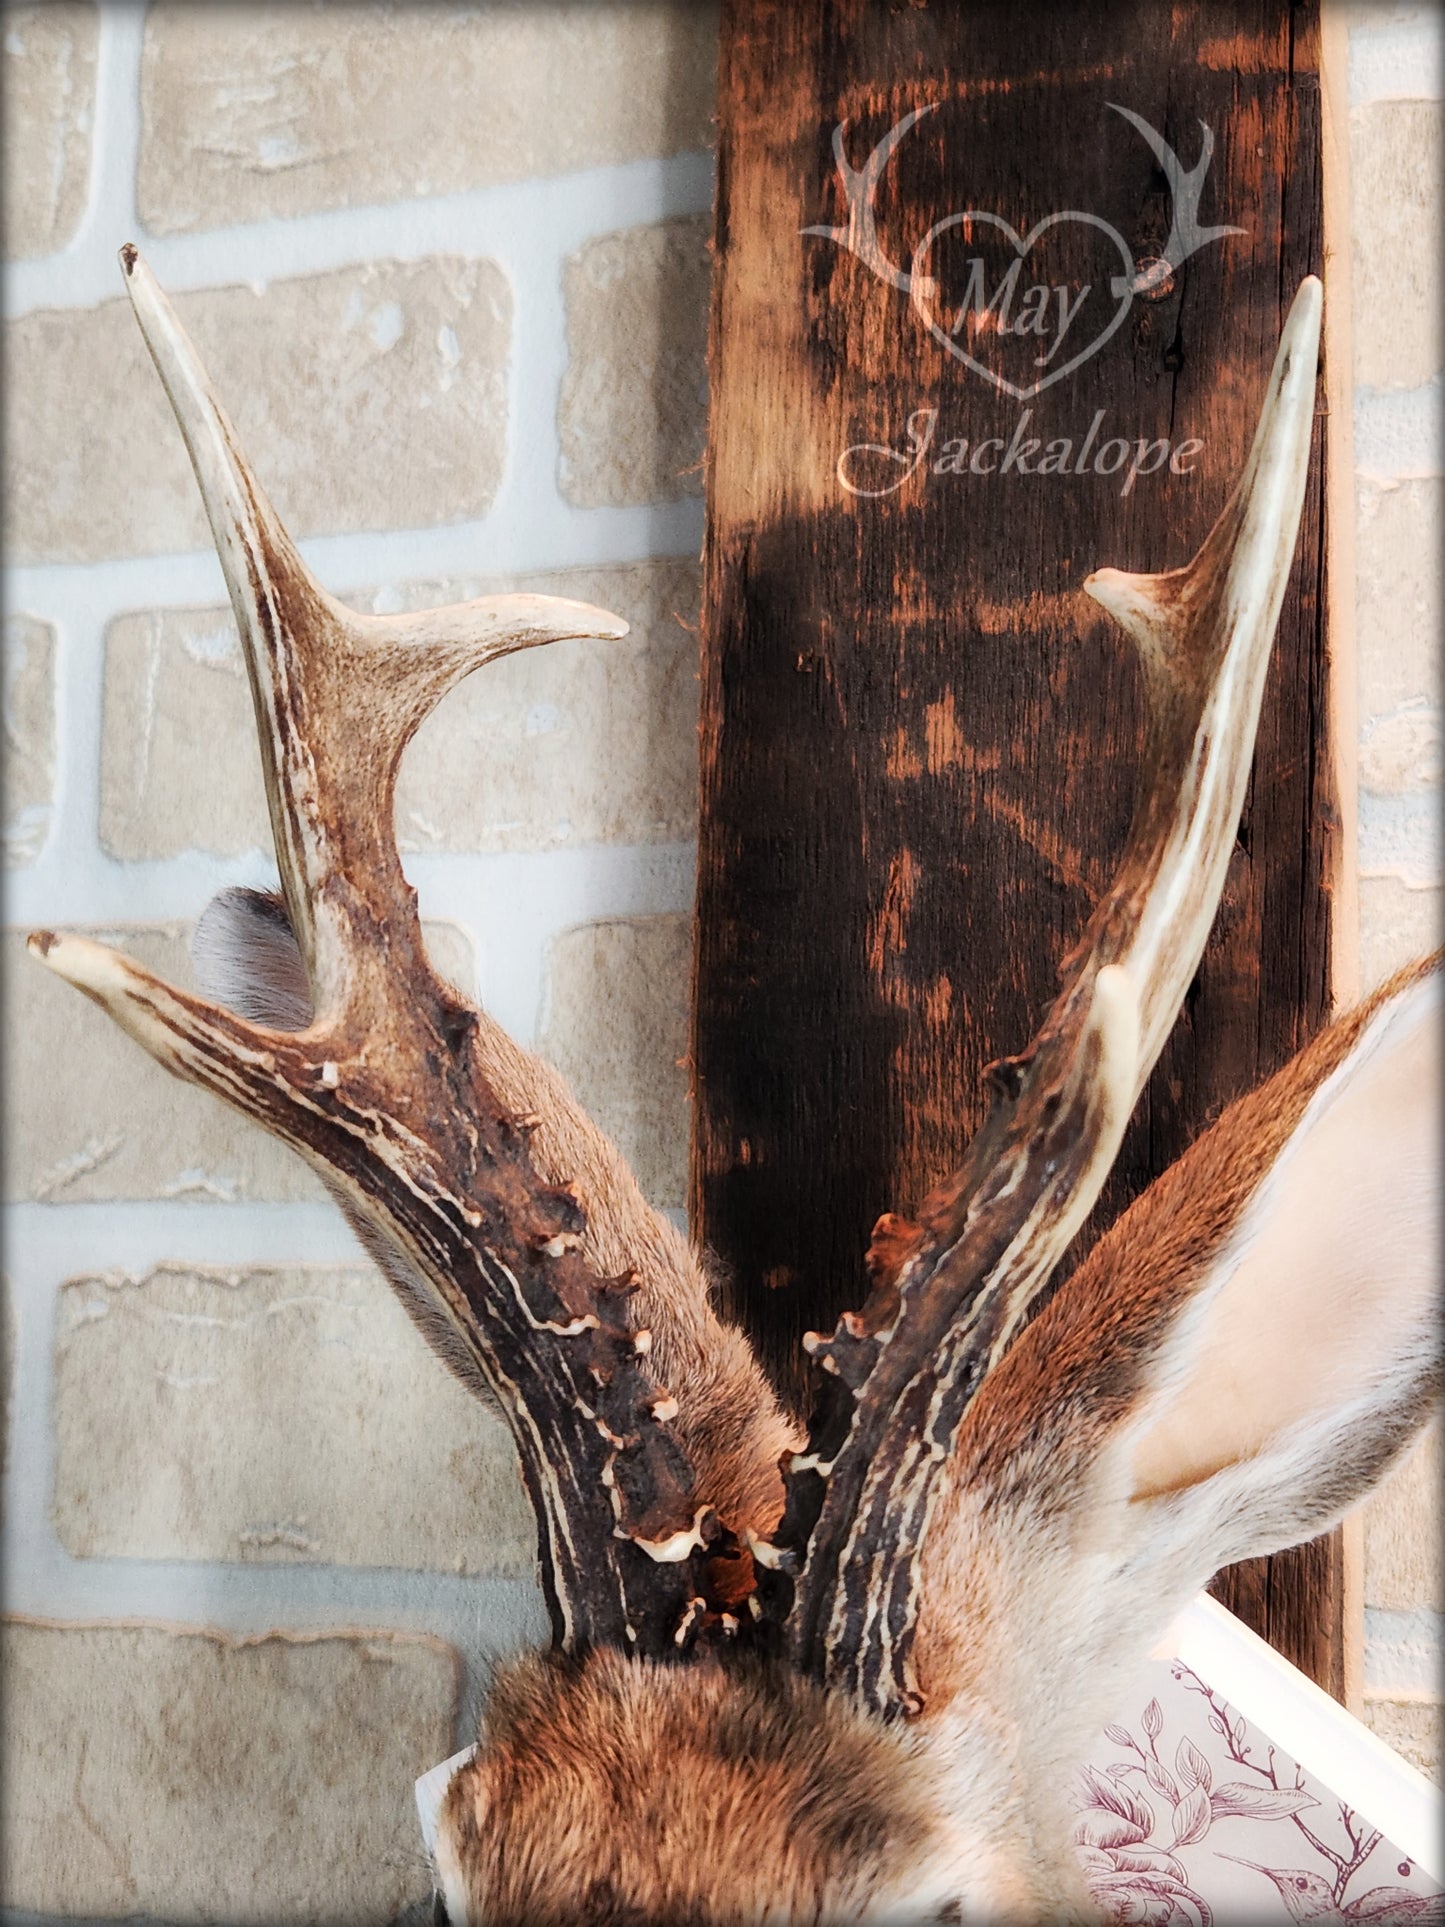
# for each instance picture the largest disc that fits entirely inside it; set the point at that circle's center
(615, 1792)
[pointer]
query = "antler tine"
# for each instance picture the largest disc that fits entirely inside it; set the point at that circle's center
(386, 1092)
(954, 1289)
(337, 695)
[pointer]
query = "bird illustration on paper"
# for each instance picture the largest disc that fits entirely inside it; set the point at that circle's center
(1309, 1896)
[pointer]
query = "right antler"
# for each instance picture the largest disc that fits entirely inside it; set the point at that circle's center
(385, 1091)
(952, 1291)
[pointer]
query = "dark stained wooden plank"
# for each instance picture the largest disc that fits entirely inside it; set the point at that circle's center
(919, 739)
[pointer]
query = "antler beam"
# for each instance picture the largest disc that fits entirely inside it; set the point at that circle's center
(384, 1091)
(952, 1291)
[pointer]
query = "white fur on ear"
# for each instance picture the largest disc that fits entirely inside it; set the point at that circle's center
(1307, 1359)
(246, 959)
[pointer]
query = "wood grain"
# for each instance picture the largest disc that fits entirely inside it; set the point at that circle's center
(919, 739)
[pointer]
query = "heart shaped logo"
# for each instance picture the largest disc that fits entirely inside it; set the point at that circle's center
(1042, 314)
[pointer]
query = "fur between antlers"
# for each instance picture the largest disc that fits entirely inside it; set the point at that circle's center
(841, 1677)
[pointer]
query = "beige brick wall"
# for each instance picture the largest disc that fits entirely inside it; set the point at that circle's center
(279, 1414)
(29, 768)
(47, 97)
(633, 396)
(251, 112)
(448, 267)
(1394, 156)
(191, 1777)
(570, 746)
(360, 395)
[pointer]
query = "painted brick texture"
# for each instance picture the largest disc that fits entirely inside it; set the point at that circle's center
(29, 768)
(1399, 335)
(617, 1003)
(252, 113)
(47, 97)
(370, 397)
(633, 404)
(183, 1776)
(105, 1122)
(288, 1416)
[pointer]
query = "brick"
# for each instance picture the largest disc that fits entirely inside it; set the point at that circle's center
(632, 413)
(616, 1026)
(7, 1389)
(369, 397)
(29, 768)
(186, 1776)
(1397, 924)
(48, 101)
(577, 743)
(252, 113)
(275, 1416)
(1404, 1554)
(1399, 604)
(103, 1120)
(1400, 751)
(1413, 1728)
(1399, 300)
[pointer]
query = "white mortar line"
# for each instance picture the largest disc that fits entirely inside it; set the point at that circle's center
(114, 154)
(50, 1242)
(504, 222)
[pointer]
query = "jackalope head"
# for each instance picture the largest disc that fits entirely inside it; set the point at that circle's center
(844, 1676)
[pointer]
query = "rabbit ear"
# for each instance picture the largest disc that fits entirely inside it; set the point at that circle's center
(1233, 1366)
(1311, 1349)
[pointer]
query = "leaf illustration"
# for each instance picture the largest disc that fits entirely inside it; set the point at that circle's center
(1192, 1817)
(1258, 1802)
(1193, 1768)
(1098, 1829)
(1117, 1799)
(1152, 1860)
(1152, 1720)
(1118, 1735)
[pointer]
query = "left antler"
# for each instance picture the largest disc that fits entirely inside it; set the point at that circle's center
(952, 1291)
(386, 1090)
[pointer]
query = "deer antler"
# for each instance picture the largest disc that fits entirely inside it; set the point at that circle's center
(952, 1291)
(385, 1091)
